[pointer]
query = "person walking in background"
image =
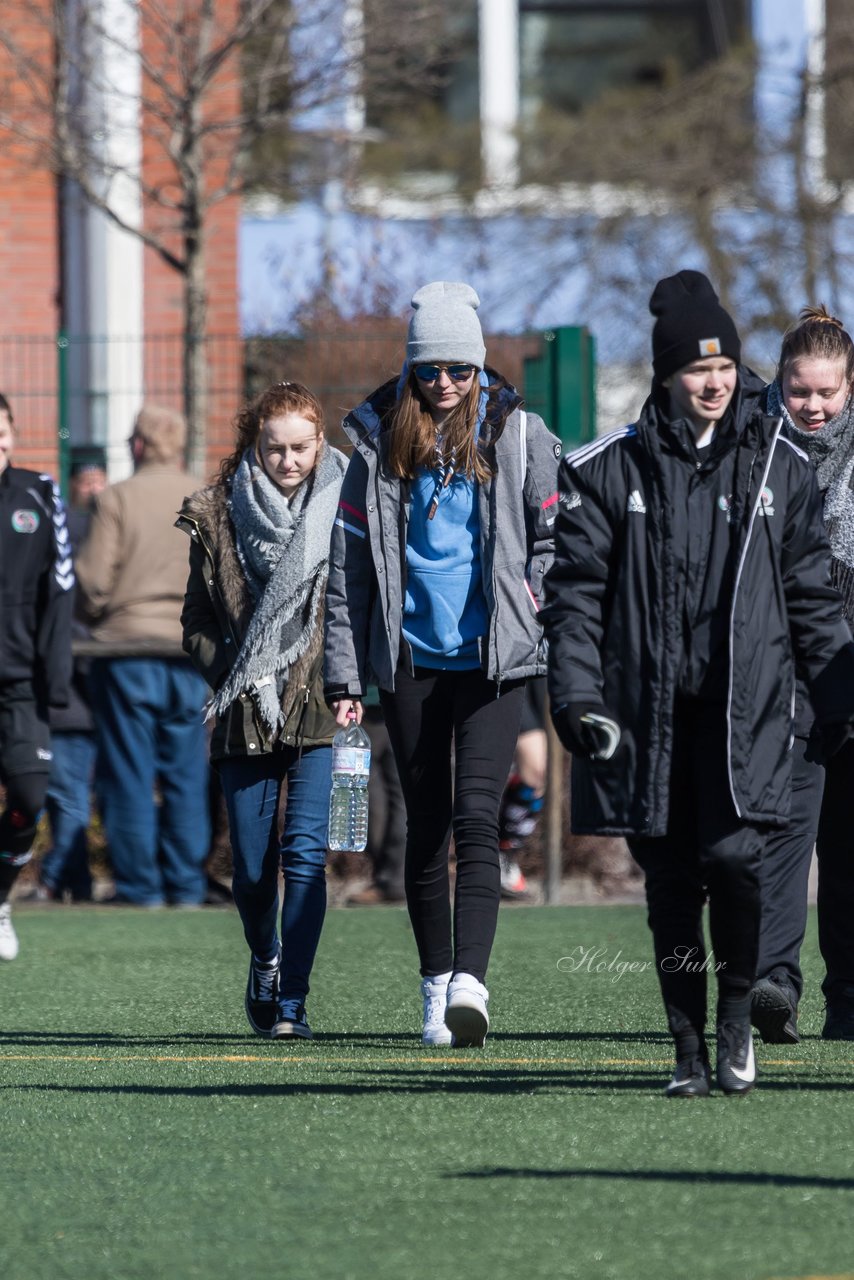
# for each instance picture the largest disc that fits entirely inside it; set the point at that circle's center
(146, 698)
(386, 845)
(690, 565)
(87, 478)
(64, 868)
(440, 546)
(813, 394)
(37, 592)
(522, 802)
(253, 625)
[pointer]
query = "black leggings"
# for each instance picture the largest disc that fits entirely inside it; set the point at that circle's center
(708, 852)
(426, 714)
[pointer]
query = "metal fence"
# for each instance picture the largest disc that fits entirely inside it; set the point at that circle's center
(67, 389)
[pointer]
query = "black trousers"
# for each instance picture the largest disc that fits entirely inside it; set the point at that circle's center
(708, 853)
(785, 874)
(835, 849)
(821, 819)
(427, 715)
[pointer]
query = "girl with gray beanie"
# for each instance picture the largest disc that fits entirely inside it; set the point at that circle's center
(442, 538)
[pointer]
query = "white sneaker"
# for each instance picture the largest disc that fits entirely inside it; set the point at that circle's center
(434, 989)
(465, 1013)
(8, 937)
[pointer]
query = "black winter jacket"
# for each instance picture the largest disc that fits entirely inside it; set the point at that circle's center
(614, 616)
(36, 585)
(76, 717)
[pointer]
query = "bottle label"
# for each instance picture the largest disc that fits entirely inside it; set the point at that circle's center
(351, 760)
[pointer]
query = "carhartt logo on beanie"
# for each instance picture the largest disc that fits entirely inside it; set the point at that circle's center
(445, 326)
(691, 324)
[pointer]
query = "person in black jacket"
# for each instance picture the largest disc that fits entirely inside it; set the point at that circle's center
(64, 867)
(691, 568)
(814, 394)
(36, 599)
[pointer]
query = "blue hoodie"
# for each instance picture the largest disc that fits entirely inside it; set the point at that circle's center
(444, 609)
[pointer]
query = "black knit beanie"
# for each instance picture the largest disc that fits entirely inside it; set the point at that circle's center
(691, 324)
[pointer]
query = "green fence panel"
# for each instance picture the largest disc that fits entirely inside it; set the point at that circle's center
(560, 384)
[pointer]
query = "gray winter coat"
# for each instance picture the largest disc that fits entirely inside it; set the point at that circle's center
(367, 565)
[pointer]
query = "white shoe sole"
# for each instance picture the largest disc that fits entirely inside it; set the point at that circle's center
(467, 1023)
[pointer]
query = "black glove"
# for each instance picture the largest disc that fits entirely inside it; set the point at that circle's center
(587, 729)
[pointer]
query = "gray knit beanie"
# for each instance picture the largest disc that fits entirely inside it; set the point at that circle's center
(445, 326)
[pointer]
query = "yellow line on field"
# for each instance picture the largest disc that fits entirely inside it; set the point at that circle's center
(287, 1059)
(426, 1059)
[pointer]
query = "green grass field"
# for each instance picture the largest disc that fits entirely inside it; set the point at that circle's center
(144, 1132)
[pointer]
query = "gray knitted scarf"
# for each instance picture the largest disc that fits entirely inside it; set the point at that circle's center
(284, 552)
(831, 451)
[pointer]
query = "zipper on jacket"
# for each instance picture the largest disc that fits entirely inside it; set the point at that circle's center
(736, 584)
(300, 734)
(492, 629)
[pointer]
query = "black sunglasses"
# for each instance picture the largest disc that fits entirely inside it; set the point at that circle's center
(456, 372)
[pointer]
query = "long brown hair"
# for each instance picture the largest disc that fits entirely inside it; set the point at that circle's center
(281, 398)
(817, 334)
(411, 439)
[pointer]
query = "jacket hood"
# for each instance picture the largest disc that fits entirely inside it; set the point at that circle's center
(746, 408)
(365, 423)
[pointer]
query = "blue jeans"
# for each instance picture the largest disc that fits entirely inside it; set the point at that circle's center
(251, 786)
(150, 730)
(66, 863)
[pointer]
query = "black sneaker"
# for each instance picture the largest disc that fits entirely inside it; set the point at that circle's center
(262, 995)
(291, 1024)
(774, 1010)
(839, 1017)
(736, 1065)
(691, 1079)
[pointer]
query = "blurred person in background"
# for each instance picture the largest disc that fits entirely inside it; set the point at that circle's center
(386, 845)
(37, 594)
(64, 868)
(147, 700)
(522, 802)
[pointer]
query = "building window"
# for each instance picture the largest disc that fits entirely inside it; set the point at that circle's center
(608, 90)
(422, 120)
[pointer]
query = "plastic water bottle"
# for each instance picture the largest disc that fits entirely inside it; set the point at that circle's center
(348, 801)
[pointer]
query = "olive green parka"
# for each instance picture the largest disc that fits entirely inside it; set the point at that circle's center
(216, 614)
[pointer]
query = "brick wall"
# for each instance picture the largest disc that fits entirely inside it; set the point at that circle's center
(29, 257)
(30, 265)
